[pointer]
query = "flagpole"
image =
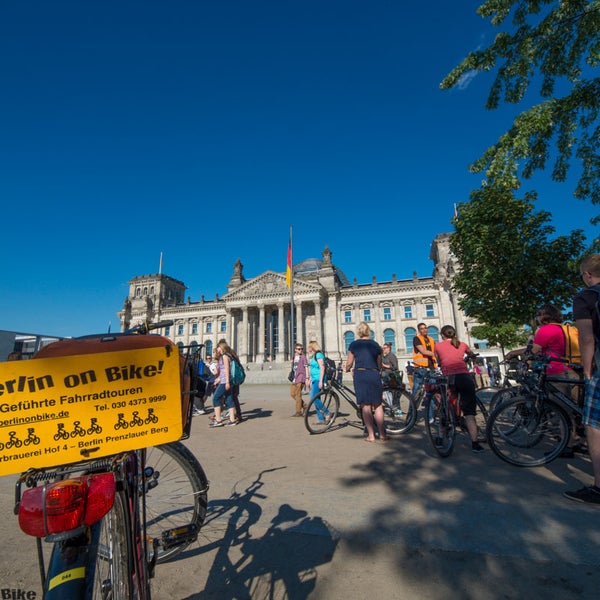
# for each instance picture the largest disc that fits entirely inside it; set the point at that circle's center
(291, 284)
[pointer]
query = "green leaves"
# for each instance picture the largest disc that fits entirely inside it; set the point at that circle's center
(510, 264)
(555, 44)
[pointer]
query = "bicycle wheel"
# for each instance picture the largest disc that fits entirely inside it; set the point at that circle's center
(527, 432)
(503, 395)
(321, 411)
(481, 418)
(418, 401)
(176, 498)
(441, 427)
(400, 414)
(111, 571)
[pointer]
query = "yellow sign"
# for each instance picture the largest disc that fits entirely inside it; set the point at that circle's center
(55, 411)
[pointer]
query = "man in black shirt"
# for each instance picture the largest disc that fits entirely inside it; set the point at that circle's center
(584, 314)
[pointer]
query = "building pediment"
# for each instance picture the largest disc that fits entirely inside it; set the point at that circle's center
(270, 285)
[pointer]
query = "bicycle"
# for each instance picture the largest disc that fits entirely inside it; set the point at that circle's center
(323, 410)
(534, 428)
(110, 520)
(444, 414)
(421, 397)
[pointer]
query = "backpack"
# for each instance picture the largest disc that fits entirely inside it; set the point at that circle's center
(330, 368)
(572, 352)
(236, 372)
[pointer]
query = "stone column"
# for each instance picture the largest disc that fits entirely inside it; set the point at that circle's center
(300, 325)
(243, 343)
(260, 346)
(280, 357)
(319, 322)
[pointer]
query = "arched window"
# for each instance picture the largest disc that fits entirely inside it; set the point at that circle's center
(348, 339)
(433, 333)
(208, 346)
(180, 345)
(193, 347)
(389, 337)
(409, 336)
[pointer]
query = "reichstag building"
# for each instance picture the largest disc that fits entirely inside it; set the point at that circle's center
(254, 316)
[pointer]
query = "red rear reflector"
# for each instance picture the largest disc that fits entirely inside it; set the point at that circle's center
(66, 505)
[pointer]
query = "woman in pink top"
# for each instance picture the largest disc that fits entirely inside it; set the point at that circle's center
(450, 355)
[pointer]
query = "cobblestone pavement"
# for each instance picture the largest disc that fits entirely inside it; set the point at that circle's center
(298, 516)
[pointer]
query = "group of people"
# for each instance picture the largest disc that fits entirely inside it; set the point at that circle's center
(372, 365)
(370, 362)
(216, 375)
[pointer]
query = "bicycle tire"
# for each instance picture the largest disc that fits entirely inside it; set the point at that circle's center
(328, 411)
(402, 415)
(481, 419)
(112, 569)
(441, 427)
(527, 432)
(418, 401)
(503, 395)
(178, 499)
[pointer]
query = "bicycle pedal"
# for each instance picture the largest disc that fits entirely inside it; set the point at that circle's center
(179, 535)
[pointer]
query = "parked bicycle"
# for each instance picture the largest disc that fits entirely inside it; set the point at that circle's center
(422, 395)
(444, 414)
(324, 409)
(111, 520)
(535, 427)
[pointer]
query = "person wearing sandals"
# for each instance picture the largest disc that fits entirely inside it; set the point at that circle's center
(364, 354)
(316, 366)
(224, 388)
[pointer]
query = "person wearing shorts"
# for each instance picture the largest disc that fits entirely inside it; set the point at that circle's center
(584, 314)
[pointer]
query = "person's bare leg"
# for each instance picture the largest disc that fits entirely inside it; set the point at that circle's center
(379, 421)
(593, 440)
(368, 420)
(471, 427)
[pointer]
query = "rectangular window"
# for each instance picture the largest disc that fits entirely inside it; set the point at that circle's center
(223, 326)
(167, 330)
(209, 327)
(194, 328)
(348, 316)
(366, 315)
(179, 329)
(429, 310)
(408, 312)
(387, 314)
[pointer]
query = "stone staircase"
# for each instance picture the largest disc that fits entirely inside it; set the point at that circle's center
(269, 373)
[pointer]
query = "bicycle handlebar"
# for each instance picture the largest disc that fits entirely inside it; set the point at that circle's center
(144, 328)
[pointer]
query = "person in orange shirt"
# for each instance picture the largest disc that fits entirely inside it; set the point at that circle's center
(423, 355)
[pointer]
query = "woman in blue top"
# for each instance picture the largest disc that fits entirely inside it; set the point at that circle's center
(316, 366)
(365, 355)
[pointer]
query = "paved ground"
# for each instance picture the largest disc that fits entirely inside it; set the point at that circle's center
(294, 516)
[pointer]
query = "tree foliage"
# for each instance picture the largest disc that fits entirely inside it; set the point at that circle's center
(509, 265)
(554, 43)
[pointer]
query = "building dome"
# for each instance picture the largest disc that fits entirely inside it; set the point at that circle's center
(310, 265)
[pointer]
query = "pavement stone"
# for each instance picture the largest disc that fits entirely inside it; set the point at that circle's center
(295, 516)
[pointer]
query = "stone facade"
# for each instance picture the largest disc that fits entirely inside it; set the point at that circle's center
(255, 318)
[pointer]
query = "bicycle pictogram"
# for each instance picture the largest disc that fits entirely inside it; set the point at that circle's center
(136, 420)
(78, 430)
(94, 427)
(32, 438)
(151, 418)
(61, 433)
(121, 423)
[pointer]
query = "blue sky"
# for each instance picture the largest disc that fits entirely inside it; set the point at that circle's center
(205, 129)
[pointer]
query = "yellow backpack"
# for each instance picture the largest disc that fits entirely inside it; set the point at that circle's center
(572, 352)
